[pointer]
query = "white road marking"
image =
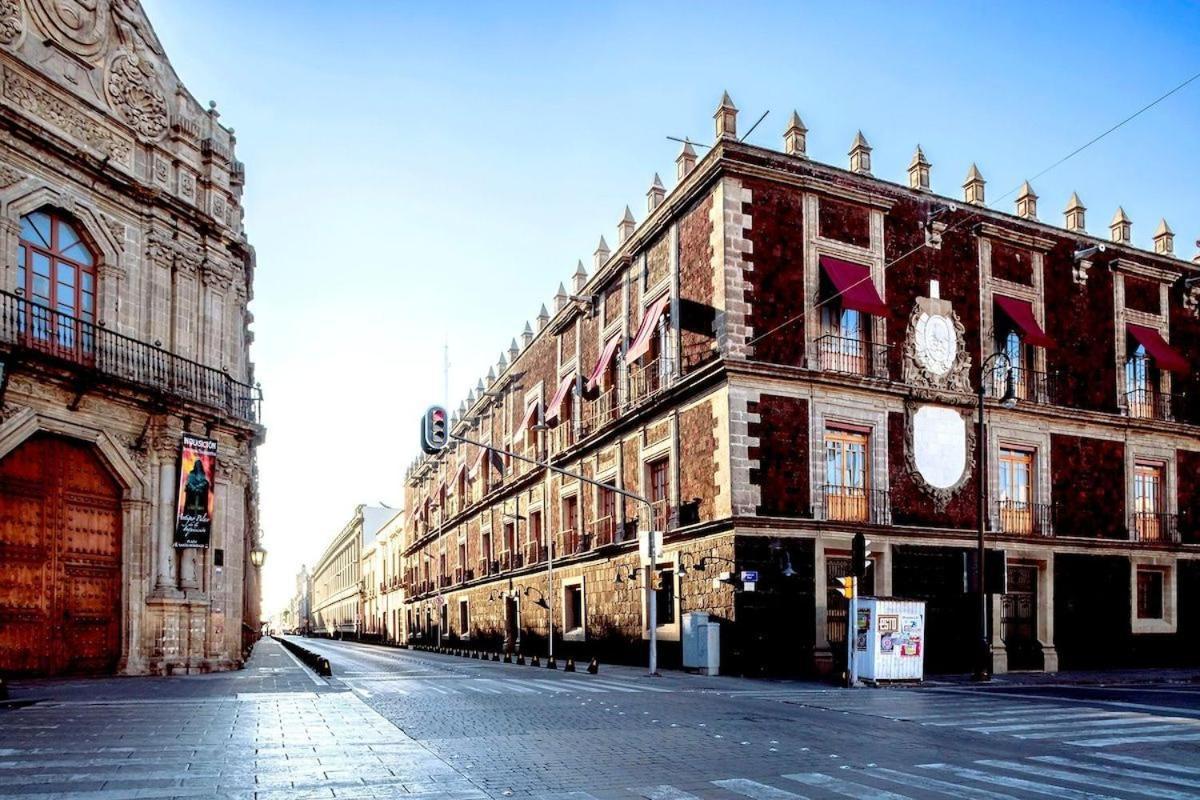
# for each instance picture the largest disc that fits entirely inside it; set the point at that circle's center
(1139, 726)
(663, 793)
(541, 685)
(613, 686)
(1017, 783)
(1090, 780)
(1025, 717)
(1142, 762)
(1183, 737)
(1186, 712)
(756, 790)
(508, 685)
(1014, 711)
(311, 675)
(855, 790)
(1101, 717)
(924, 782)
(1109, 769)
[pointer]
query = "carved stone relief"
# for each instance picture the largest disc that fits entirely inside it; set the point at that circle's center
(1191, 299)
(134, 92)
(41, 103)
(12, 21)
(9, 176)
(935, 352)
(78, 26)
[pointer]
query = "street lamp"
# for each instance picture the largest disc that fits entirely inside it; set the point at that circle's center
(983, 667)
(258, 555)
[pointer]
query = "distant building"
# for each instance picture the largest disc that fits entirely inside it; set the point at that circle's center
(124, 328)
(784, 353)
(339, 590)
(298, 606)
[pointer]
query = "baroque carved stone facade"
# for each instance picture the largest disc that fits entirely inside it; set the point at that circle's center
(103, 142)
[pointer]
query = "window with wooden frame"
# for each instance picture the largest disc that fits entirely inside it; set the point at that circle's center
(847, 474)
(845, 334)
(56, 274)
(1015, 488)
(1141, 382)
(658, 475)
(464, 619)
(1151, 585)
(1149, 519)
(570, 524)
(606, 515)
(535, 535)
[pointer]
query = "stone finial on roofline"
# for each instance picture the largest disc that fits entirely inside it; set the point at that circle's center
(918, 171)
(1164, 239)
(600, 256)
(626, 226)
(579, 278)
(502, 364)
(1027, 202)
(1121, 228)
(1075, 214)
(543, 317)
(973, 187)
(655, 194)
(726, 118)
(685, 162)
(795, 138)
(527, 335)
(513, 350)
(560, 298)
(491, 376)
(860, 155)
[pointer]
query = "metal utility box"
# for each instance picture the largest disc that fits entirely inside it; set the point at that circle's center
(701, 643)
(889, 642)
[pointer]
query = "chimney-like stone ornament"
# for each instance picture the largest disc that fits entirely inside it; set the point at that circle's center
(656, 194)
(1121, 228)
(1164, 239)
(685, 162)
(626, 226)
(502, 364)
(726, 119)
(579, 278)
(513, 350)
(1027, 202)
(491, 376)
(973, 187)
(527, 334)
(560, 298)
(600, 257)
(1075, 214)
(918, 171)
(543, 317)
(479, 389)
(795, 138)
(860, 155)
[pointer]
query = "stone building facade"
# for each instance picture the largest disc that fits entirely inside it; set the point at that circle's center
(124, 325)
(784, 353)
(344, 590)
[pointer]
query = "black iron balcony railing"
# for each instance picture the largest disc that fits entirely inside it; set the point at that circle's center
(1154, 527)
(599, 412)
(1146, 403)
(1024, 519)
(562, 436)
(30, 327)
(1029, 385)
(852, 356)
(605, 530)
(648, 379)
(837, 503)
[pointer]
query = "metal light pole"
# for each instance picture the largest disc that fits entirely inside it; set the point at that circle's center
(983, 667)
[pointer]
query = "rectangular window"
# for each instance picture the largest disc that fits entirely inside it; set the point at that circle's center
(606, 516)
(843, 344)
(846, 475)
(485, 549)
(573, 608)
(535, 530)
(510, 535)
(665, 597)
(1148, 518)
(1016, 490)
(659, 489)
(1150, 585)
(464, 628)
(570, 524)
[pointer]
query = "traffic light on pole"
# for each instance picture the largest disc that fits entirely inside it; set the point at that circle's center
(435, 430)
(846, 586)
(859, 555)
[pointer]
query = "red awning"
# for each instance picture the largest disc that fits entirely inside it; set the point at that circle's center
(530, 414)
(1021, 313)
(606, 356)
(559, 395)
(854, 286)
(641, 342)
(1165, 356)
(457, 476)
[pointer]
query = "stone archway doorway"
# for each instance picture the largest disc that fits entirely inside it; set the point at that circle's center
(60, 560)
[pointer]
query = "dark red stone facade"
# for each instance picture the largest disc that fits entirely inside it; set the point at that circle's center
(777, 297)
(1087, 480)
(783, 456)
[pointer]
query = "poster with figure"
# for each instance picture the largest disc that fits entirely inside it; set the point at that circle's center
(862, 625)
(194, 506)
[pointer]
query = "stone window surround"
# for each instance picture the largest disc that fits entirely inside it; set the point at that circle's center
(990, 286)
(1169, 622)
(816, 246)
(1160, 322)
(670, 632)
(573, 634)
(651, 453)
(1043, 561)
(1151, 452)
(464, 603)
(1003, 432)
(856, 412)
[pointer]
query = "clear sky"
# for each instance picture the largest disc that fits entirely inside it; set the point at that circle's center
(420, 174)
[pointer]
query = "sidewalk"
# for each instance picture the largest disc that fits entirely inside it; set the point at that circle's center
(1182, 675)
(269, 731)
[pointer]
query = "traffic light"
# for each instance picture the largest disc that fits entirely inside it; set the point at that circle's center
(846, 586)
(435, 433)
(859, 555)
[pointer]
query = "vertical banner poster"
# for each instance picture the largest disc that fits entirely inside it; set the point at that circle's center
(194, 507)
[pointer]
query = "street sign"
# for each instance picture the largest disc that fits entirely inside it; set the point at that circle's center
(747, 586)
(749, 576)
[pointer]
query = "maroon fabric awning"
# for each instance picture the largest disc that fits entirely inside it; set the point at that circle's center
(483, 451)
(1165, 356)
(527, 420)
(641, 342)
(1021, 313)
(854, 286)
(559, 395)
(606, 356)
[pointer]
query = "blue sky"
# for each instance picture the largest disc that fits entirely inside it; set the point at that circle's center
(420, 174)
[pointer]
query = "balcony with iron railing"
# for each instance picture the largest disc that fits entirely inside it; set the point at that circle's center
(1154, 527)
(838, 503)
(1029, 385)
(600, 411)
(660, 515)
(853, 356)
(535, 553)
(648, 379)
(1023, 519)
(604, 531)
(562, 436)
(1149, 403)
(33, 329)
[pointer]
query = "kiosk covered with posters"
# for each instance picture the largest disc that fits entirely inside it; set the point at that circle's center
(890, 639)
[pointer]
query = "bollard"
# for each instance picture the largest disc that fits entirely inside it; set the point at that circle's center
(495, 656)
(507, 658)
(593, 666)
(569, 666)
(551, 663)
(533, 662)
(521, 659)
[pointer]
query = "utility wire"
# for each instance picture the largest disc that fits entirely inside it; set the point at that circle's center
(972, 216)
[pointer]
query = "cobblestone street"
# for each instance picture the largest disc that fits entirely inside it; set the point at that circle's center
(394, 723)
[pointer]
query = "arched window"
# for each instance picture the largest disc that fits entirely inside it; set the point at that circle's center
(56, 272)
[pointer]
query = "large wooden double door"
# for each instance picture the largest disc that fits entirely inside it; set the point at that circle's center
(60, 560)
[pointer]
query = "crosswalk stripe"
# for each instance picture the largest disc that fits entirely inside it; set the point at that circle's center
(541, 685)
(1017, 783)
(1142, 762)
(1182, 737)
(1027, 716)
(1090, 780)
(924, 782)
(1033, 724)
(480, 689)
(578, 687)
(507, 686)
(1110, 769)
(1141, 726)
(663, 792)
(839, 786)
(756, 790)
(613, 686)
(1009, 711)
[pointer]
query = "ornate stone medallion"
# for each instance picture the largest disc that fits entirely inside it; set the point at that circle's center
(935, 354)
(134, 92)
(940, 446)
(78, 26)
